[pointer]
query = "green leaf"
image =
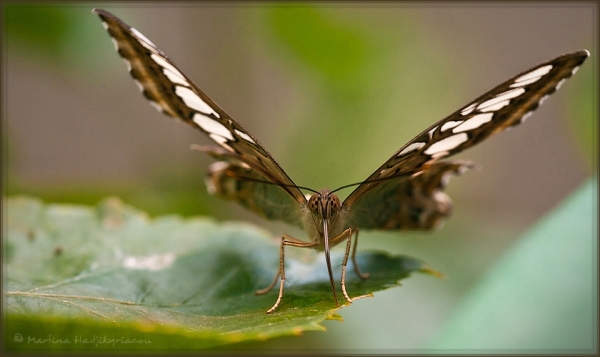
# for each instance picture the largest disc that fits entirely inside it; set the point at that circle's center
(110, 278)
(542, 295)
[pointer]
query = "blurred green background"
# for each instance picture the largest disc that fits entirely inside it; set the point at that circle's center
(332, 91)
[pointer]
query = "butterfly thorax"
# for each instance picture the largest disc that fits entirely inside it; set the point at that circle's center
(324, 212)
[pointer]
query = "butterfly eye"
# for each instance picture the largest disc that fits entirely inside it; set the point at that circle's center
(314, 203)
(333, 205)
(324, 205)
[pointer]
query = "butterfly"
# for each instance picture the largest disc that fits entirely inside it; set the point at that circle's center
(407, 190)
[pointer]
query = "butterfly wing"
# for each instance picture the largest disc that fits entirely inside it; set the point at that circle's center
(174, 94)
(419, 178)
(234, 180)
(408, 201)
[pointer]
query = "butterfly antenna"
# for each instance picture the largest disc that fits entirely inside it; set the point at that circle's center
(230, 174)
(366, 181)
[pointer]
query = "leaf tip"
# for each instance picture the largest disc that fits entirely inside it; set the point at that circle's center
(297, 331)
(429, 270)
(333, 316)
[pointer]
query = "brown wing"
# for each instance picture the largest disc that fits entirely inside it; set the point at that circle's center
(234, 180)
(409, 201)
(174, 94)
(506, 105)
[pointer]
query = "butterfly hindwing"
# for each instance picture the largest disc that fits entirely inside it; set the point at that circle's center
(408, 201)
(505, 106)
(173, 93)
(234, 180)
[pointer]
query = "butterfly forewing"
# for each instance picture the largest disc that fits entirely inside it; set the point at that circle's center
(173, 93)
(506, 105)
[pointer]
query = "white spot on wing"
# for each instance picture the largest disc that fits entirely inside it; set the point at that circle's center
(543, 99)
(442, 197)
(527, 115)
(156, 105)
(512, 93)
(115, 43)
(524, 83)
(574, 70)
(244, 136)
(411, 147)
(218, 166)
(143, 39)
(450, 125)
(439, 154)
(210, 185)
(474, 122)
(495, 107)
(446, 179)
(163, 62)
(138, 84)
(418, 173)
(560, 83)
(105, 25)
(535, 73)
(127, 63)
(509, 94)
(468, 109)
(384, 172)
(221, 141)
(193, 101)
(447, 144)
(430, 132)
(175, 77)
(212, 126)
(462, 169)
(169, 68)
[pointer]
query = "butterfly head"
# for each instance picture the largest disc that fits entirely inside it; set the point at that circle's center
(324, 206)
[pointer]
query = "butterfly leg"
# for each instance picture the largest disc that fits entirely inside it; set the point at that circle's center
(285, 240)
(270, 287)
(347, 234)
(356, 270)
